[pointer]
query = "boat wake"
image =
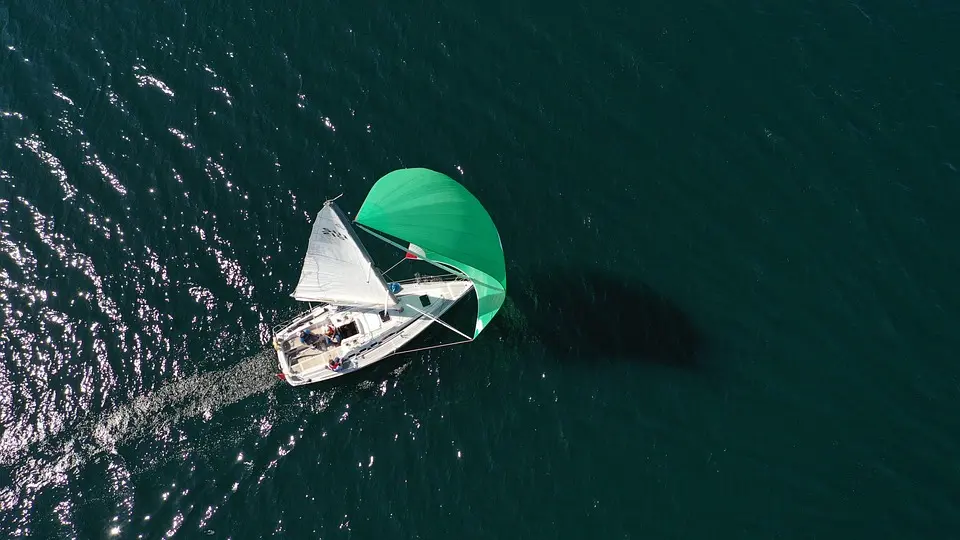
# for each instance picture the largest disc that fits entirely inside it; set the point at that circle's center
(201, 394)
(52, 460)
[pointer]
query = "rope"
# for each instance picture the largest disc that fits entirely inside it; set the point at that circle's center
(432, 347)
(436, 320)
(394, 266)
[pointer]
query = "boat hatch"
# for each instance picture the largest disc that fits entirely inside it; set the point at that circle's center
(348, 330)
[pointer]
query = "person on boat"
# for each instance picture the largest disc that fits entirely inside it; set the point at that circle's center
(334, 364)
(331, 335)
(309, 338)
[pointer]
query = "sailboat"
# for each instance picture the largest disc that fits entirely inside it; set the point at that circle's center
(361, 317)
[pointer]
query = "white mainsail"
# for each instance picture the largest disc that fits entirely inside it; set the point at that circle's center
(337, 269)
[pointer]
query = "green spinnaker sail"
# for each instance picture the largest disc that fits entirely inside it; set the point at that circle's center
(440, 216)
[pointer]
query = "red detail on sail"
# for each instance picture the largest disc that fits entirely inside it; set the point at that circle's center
(413, 252)
(281, 376)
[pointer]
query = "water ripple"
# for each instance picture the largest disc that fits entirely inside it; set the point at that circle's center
(71, 257)
(111, 178)
(184, 138)
(61, 95)
(36, 147)
(144, 79)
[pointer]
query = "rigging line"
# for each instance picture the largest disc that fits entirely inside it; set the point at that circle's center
(406, 250)
(394, 266)
(440, 321)
(432, 347)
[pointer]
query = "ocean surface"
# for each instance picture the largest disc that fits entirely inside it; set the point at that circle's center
(732, 245)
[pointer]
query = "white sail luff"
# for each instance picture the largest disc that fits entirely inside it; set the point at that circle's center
(337, 268)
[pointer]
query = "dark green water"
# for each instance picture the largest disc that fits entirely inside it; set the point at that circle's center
(731, 242)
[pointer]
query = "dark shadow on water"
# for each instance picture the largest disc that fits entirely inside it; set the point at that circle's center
(590, 314)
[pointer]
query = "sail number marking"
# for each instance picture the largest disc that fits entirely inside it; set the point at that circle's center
(334, 233)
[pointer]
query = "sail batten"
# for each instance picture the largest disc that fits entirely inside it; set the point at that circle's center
(448, 226)
(337, 268)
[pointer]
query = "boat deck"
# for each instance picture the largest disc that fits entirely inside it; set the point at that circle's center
(367, 334)
(303, 356)
(311, 358)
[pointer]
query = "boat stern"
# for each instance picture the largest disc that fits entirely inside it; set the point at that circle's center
(281, 345)
(286, 374)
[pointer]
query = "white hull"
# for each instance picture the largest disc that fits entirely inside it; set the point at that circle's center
(368, 336)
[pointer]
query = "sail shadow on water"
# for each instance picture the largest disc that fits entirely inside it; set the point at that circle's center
(591, 314)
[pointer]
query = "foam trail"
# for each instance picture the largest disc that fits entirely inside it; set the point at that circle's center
(52, 461)
(201, 394)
